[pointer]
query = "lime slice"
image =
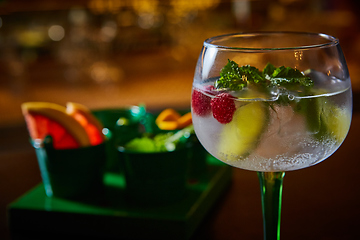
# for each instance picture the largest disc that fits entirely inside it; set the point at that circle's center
(335, 122)
(241, 135)
(311, 108)
(325, 119)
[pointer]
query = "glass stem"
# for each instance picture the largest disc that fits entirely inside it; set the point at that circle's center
(271, 184)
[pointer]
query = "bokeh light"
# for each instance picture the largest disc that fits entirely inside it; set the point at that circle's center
(56, 32)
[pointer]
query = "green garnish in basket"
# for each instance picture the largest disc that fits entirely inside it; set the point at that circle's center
(161, 142)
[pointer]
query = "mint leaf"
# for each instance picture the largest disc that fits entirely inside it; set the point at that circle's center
(236, 78)
(289, 78)
(252, 74)
(233, 77)
(269, 69)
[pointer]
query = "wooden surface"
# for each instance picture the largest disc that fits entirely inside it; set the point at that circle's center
(319, 202)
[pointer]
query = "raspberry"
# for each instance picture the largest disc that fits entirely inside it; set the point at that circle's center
(200, 102)
(223, 107)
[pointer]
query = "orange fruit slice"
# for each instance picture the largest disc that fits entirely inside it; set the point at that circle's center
(185, 120)
(168, 114)
(43, 119)
(168, 125)
(89, 122)
(169, 119)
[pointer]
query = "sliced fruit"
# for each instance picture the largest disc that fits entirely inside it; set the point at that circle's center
(168, 125)
(339, 123)
(185, 120)
(324, 118)
(168, 114)
(241, 135)
(311, 108)
(45, 119)
(89, 122)
(168, 119)
(335, 121)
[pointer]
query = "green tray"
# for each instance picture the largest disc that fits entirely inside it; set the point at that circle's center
(36, 216)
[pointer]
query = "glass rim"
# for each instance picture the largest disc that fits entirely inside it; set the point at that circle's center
(331, 41)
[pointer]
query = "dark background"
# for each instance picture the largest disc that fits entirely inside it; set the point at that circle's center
(119, 53)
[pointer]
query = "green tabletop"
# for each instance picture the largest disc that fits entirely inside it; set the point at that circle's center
(113, 215)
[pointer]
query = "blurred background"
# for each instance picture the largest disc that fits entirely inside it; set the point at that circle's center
(111, 53)
(114, 53)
